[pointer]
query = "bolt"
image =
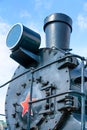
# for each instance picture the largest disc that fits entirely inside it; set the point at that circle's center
(17, 125)
(18, 93)
(14, 115)
(47, 106)
(24, 85)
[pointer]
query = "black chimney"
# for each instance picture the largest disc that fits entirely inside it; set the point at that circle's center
(58, 28)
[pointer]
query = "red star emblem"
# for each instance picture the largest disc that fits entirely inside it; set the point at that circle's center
(25, 105)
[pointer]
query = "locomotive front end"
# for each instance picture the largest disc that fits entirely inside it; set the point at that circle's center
(49, 88)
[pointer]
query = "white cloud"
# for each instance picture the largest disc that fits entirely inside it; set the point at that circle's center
(45, 4)
(38, 4)
(48, 4)
(7, 66)
(82, 21)
(5, 61)
(82, 51)
(85, 6)
(24, 13)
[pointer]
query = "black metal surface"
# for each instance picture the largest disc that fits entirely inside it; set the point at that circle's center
(58, 28)
(24, 57)
(24, 44)
(43, 82)
(52, 85)
(21, 36)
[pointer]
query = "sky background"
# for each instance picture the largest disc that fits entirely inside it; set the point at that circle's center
(32, 13)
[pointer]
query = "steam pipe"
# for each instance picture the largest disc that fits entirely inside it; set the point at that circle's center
(82, 98)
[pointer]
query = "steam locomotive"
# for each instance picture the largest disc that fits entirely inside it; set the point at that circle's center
(48, 90)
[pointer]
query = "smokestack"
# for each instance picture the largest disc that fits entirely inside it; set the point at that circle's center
(58, 28)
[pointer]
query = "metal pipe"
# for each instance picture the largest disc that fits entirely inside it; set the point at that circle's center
(75, 93)
(39, 68)
(30, 104)
(82, 98)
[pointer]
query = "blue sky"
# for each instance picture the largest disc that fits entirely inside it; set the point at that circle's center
(31, 13)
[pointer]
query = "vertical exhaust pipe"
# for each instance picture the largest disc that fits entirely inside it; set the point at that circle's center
(58, 28)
